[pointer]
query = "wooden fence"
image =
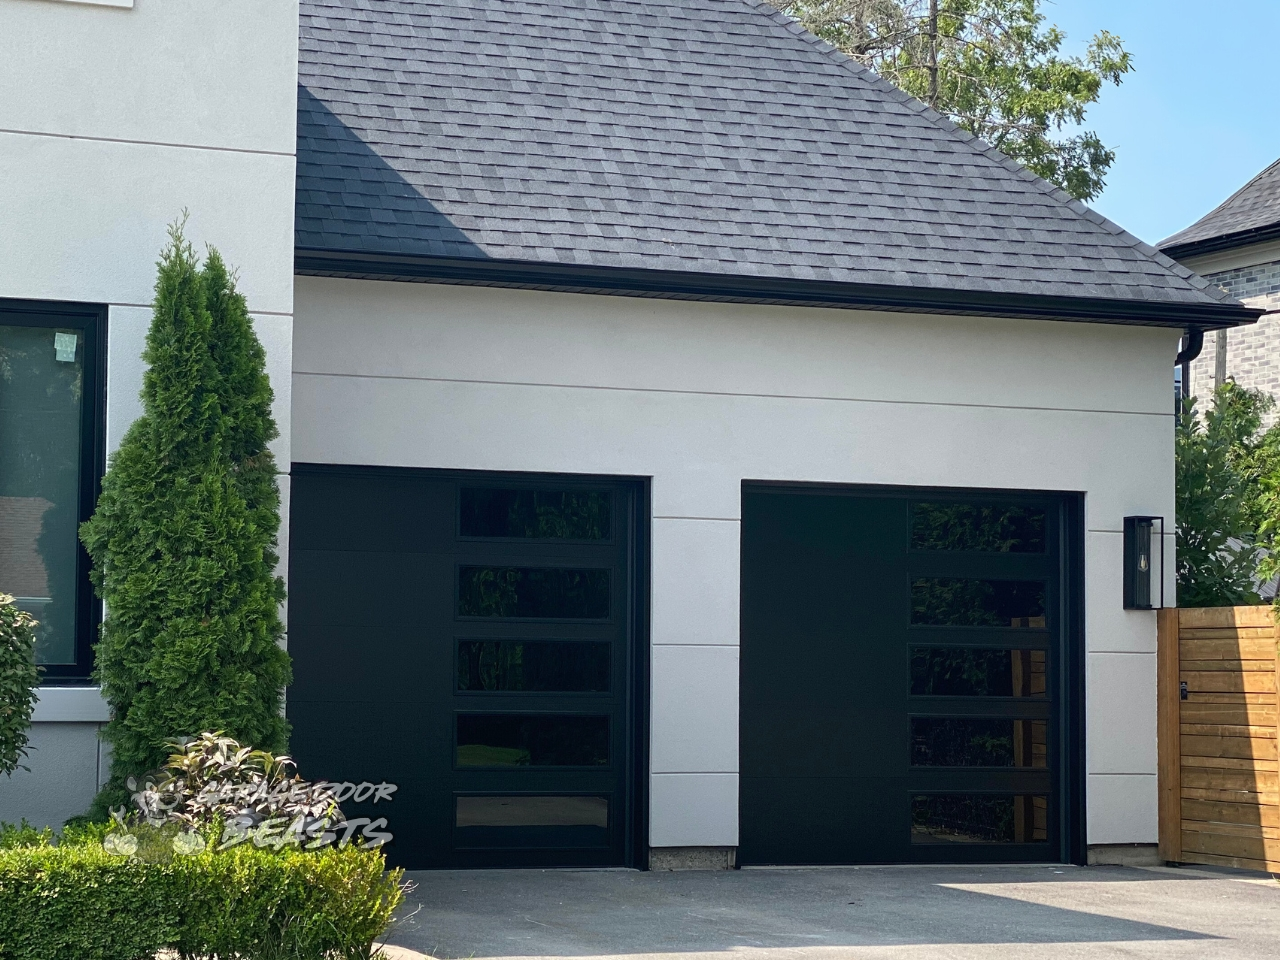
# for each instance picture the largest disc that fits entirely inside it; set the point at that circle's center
(1219, 727)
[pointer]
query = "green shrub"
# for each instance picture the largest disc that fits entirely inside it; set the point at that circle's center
(19, 676)
(77, 901)
(23, 834)
(183, 540)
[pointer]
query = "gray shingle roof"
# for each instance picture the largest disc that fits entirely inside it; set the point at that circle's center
(1253, 207)
(709, 136)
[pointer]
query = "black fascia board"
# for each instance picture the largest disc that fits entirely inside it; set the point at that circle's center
(1228, 241)
(729, 288)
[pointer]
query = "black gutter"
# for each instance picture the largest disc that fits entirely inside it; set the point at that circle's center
(1228, 241)
(680, 285)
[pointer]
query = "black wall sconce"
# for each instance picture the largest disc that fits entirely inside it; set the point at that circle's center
(1143, 544)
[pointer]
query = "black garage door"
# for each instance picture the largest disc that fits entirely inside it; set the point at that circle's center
(470, 639)
(907, 693)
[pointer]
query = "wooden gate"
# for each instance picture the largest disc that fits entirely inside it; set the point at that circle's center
(1218, 732)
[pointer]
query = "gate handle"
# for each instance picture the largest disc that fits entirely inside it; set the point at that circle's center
(1182, 690)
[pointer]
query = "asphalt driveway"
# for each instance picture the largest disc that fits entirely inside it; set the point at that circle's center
(905, 913)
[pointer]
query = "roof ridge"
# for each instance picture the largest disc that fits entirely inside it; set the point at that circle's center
(1171, 240)
(992, 153)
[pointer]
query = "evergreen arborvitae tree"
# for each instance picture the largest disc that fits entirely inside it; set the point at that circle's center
(184, 537)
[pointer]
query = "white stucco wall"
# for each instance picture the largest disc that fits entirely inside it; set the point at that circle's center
(114, 118)
(700, 397)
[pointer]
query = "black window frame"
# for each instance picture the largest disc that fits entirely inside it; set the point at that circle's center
(91, 321)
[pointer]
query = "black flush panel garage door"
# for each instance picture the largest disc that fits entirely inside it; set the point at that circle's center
(911, 677)
(470, 639)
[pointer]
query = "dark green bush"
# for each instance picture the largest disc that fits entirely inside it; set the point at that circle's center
(183, 540)
(19, 676)
(76, 901)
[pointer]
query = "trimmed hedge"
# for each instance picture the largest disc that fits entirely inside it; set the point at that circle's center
(79, 902)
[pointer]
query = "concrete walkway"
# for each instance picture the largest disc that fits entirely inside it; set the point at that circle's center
(904, 913)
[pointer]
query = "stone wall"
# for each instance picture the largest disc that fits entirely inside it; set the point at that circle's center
(1253, 352)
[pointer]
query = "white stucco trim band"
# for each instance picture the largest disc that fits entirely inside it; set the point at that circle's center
(70, 705)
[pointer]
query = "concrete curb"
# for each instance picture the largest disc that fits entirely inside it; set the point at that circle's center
(390, 952)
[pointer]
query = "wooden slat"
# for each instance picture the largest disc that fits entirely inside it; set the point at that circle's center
(1240, 863)
(1240, 747)
(1270, 798)
(1235, 713)
(1216, 681)
(1247, 831)
(1169, 735)
(1223, 845)
(1227, 633)
(1195, 618)
(1260, 767)
(1263, 649)
(1238, 666)
(1265, 815)
(1229, 730)
(1211, 779)
(1266, 700)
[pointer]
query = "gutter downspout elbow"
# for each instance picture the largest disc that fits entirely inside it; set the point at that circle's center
(1193, 343)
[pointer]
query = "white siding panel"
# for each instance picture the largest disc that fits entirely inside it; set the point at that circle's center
(64, 241)
(126, 339)
(696, 566)
(520, 336)
(694, 722)
(210, 74)
(693, 810)
(1122, 808)
(1121, 694)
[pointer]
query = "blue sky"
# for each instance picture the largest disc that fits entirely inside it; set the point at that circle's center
(1200, 114)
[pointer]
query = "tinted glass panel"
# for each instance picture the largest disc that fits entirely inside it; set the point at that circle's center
(969, 672)
(41, 383)
(975, 818)
(534, 592)
(533, 665)
(565, 822)
(973, 526)
(532, 740)
(532, 812)
(975, 742)
(560, 515)
(955, 602)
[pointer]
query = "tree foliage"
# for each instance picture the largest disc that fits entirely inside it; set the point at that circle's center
(993, 67)
(1228, 495)
(19, 677)
(184, 537)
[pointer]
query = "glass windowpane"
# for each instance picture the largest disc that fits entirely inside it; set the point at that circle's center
(532, 740)
(41, 393)
(532, 812)
(990, 528)
(533, 592)
(979, 818)
(977, 672)
(566, 666)
(978, 742)
(542, 514)
(958, 602)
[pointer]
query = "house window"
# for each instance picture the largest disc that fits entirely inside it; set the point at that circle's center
(51, 458)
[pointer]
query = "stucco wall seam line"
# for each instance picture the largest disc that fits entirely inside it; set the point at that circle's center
(709, 519)
(145, 143)
(727, 393)
(685, 643)
(252, 313)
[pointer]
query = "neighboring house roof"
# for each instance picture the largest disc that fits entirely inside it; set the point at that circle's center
(1250, 215)
(700, 148)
